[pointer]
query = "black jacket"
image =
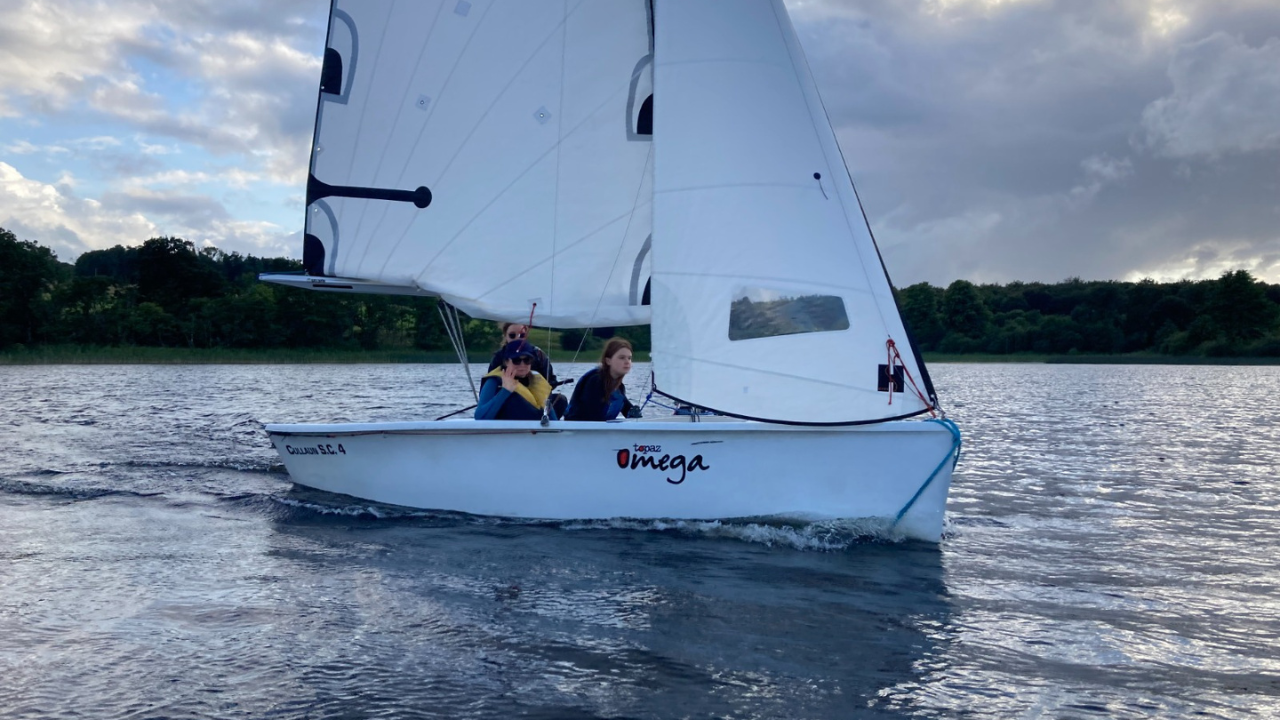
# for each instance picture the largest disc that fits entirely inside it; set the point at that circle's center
(588, 402)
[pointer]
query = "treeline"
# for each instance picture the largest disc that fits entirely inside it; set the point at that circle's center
(167, 293)
(1233, 316)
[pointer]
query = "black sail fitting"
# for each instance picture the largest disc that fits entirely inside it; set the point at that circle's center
(317, 189)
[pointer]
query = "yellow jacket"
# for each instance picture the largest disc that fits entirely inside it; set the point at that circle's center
(535, 393)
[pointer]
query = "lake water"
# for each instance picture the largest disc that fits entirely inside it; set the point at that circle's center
(1111, 552)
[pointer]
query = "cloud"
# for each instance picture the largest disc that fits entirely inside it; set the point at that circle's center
(1052, 138)
(1100, 171)
(1225, 99)
(178, 117)
(39, 66)
(23, 147)
(233, 78)
(55, 216)
(1211, 259)
(990, 139)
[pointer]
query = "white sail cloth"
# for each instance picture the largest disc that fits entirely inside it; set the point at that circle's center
(520, 118)
(769, 297)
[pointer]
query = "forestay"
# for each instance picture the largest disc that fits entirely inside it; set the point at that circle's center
(494, 152)
(770, 300)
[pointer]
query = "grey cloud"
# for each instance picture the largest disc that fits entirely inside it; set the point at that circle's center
(188, 210)
(125, 164)
(64, 241)
(1010, 142)
(1226, 98)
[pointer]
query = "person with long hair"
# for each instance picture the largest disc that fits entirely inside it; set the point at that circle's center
(514, 390)
(512, 331)
(599, 394)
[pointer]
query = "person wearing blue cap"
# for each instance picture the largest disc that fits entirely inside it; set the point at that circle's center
(512, 331)
(514, 391)
(516, 331)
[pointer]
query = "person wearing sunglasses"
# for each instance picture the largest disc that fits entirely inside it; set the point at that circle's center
(516, 331)
(514, 390)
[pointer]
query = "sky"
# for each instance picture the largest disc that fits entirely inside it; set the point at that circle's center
(990, 140)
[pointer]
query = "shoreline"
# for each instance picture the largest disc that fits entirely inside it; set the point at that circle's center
(73, 355)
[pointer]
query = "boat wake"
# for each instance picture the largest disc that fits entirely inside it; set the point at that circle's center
(304, 506)
(822, 535)
(35, 487)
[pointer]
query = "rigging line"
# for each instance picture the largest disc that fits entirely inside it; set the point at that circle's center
(462, 342)
(953, 455)
(449, 328)
(417, 141)
(789, 376)
(819, 135)
(581, 342)
(458, 342)
(410, 81)
(796, 423)
(537, 161)
(474, 127)
(621, 244)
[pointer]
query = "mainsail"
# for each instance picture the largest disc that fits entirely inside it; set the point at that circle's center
(496, 153)
(770, 300)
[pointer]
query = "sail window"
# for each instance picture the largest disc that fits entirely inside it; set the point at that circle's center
(763, 312)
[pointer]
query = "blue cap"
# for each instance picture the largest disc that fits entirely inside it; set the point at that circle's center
(516, 348)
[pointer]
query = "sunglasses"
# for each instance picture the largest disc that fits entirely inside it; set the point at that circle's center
(522, 360)
(516, 336)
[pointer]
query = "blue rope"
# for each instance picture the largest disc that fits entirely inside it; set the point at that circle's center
(653, 387)
(953, 456)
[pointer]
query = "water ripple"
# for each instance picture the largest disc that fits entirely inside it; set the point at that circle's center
(1110, 551)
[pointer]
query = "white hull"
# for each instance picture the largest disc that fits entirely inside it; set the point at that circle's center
(715, 469)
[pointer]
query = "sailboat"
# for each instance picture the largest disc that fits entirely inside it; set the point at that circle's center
(611, 163)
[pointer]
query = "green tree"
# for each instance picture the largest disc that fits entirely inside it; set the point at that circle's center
(1239, 306)
(572, 339)
(428, 331)
(963, 311)
(639, 336)
(28, 274)
(921, 313)
(171, 273)
(149, 324)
